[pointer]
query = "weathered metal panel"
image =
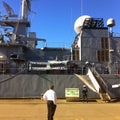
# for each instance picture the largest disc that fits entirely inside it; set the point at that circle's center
(32, 85)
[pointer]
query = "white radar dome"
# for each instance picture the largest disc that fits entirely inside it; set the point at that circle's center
(110, 22)
(79, 23)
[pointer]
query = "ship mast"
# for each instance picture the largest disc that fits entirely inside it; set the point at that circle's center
(81, 7)
(26, 7)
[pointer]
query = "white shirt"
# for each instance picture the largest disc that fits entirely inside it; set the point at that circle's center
(50, 95)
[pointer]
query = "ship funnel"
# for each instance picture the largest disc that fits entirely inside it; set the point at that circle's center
(111, 23)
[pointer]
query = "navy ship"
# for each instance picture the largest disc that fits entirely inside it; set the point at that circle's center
(27, 71)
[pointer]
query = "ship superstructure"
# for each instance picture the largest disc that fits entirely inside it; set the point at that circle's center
(95, 51)
(18, 46)
(27, 71)
(92, 43)
(15, 40)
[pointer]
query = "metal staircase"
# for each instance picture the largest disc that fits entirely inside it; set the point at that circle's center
(103, 92)
(95, 82)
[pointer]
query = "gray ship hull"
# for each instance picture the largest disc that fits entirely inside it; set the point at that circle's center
(33, 85)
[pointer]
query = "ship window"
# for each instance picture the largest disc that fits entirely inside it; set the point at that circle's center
(104, 43)
(75, 54)
(39, 65)
(57, 65)
(103, 55)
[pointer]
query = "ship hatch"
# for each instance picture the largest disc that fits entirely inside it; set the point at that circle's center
(16, 57)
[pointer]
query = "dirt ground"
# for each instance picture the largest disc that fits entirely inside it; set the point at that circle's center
(35, 109)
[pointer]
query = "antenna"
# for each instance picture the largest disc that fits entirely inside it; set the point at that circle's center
(81, 7)
(9, 10)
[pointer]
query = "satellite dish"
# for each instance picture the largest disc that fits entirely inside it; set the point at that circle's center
(110, 22)
(79, 23)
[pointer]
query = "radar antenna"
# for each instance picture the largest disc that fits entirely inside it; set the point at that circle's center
(9, 10)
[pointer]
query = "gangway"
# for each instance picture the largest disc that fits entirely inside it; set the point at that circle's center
(95, 82)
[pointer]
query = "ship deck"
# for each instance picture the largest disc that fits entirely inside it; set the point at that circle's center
(35, 109)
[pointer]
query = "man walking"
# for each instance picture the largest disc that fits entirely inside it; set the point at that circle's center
(50, 97)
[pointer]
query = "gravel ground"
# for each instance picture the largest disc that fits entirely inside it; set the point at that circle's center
(35, 109)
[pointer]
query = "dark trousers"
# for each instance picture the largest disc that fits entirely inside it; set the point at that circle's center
(51, 109)
(85, 99)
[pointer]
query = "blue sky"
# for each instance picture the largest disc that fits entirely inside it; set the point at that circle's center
(54, 20)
